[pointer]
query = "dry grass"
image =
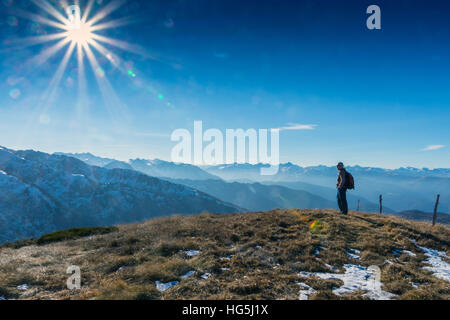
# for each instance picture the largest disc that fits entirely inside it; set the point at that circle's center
(268, 250)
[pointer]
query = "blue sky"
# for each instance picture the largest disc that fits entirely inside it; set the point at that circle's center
(376, 98)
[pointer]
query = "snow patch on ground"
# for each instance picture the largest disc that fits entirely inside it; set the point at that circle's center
(164, 286)
(317, 251)
(409, 253)
(188, 274)
(206, 276)
(439, 267)
(355, 278)
(398, 252)
(305, 291)
(354, 254)
(331, 267)
(192, 253)
(121, 268)
(23, 287)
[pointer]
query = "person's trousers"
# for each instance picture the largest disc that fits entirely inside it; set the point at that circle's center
(342, 200)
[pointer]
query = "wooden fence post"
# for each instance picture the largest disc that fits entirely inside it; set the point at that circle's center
(381, 204)
(357, 206)
(435, 209)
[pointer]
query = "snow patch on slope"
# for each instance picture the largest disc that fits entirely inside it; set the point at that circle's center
(398, 252)
(305, 291)
(192, 253)
(165, 286)
(355, 278)
(354, 254)
(439, 267)
(188, 274)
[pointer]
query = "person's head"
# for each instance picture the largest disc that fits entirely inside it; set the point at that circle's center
(340, 166)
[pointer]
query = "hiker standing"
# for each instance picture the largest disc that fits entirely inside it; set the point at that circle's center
(341, 186)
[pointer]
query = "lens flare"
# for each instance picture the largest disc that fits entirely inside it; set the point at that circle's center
(14, 93)
(100, 72)
(313, 225)
(12, 21)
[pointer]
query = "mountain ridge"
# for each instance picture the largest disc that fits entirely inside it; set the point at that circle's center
(43, 193)
(154, 167)
(258, 197)
(417, 215)
(401, 189)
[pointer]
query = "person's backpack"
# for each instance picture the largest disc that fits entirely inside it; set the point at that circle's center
(349, 181)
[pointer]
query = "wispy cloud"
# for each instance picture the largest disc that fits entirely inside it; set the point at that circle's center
(296, 126)
(433, 147)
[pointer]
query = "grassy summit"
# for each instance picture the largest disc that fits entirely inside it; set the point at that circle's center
(259, 255)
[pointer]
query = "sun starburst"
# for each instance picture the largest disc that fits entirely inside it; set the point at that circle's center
(77, 29)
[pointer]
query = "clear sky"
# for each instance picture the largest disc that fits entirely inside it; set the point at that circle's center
(373, 97)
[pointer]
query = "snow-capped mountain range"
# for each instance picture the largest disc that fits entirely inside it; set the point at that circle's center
(154, 168)
(41, 193)
(402, 189)
(292, 172)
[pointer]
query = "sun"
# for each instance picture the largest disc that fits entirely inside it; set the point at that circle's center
(79, 30)
(79, 33)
